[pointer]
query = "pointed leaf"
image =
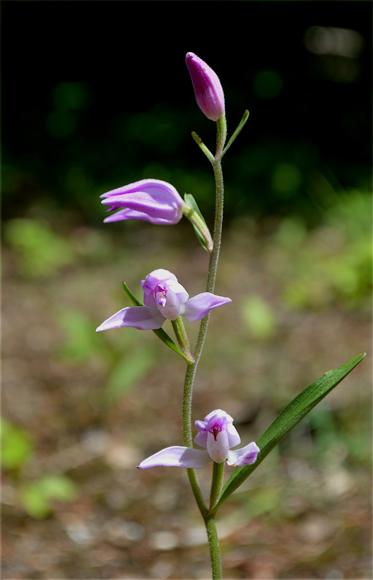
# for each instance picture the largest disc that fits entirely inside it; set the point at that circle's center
(201, 226)
(159, 332)
(289, 418)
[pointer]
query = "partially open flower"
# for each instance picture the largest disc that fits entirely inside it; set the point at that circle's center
(149, 200)
(164, 299)
(217, 435)
(207, 87)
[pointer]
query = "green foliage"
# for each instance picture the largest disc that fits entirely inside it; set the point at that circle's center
(16, 445)
(38, 496)
(40, 250)
(334, 262)
(258, 317)
(289, 418)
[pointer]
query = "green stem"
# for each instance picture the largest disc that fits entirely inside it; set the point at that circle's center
(214, 548)
(216, 484)
(191, 371)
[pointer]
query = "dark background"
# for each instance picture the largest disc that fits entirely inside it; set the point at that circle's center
(128, 102)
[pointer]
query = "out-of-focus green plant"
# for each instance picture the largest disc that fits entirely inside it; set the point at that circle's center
(258, 317)
(16, 445)
(39, 496)
(40, 251)
(82, 344)
(334, 261)
(127, 373)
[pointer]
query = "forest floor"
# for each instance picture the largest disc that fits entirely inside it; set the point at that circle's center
(91, 406)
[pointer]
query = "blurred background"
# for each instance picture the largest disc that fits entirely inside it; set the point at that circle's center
(96, 95)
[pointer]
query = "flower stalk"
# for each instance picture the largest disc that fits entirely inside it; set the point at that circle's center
(191, 371)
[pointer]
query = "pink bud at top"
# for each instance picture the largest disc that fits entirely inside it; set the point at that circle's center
(207, 87)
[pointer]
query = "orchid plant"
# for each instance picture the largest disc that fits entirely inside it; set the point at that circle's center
(164, 298)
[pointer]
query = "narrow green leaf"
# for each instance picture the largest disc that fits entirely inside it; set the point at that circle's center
(131, 296)
(198, 222)
(166, 338)
(237, 131)
(289, 418)
(202, 146)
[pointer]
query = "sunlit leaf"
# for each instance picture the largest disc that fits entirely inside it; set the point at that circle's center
(289, 418)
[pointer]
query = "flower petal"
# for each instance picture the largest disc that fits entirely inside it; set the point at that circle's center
(131, 214)
(156, 204)
(233, 436)
(139, 317)
(200, 305)
(218, 446)
(176, 457)
(143, 185)
(244, 456)
(201, 437)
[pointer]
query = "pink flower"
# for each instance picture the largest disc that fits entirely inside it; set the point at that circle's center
(207, 87)
(149, 200)
(164, 299)
(217, 435)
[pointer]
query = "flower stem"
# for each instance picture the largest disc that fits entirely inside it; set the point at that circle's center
(191, 371)
(217, 483)
(214, 547)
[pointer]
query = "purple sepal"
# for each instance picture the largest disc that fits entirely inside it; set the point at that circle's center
(200, 305)
(150, 200)
(140, 317)
(176, 457)
(244, 456)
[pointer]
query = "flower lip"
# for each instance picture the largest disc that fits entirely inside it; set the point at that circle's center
(216, 426)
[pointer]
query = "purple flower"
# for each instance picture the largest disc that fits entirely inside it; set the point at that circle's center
(164, 299)
(217, 435)
(149, 200)
(207, 87)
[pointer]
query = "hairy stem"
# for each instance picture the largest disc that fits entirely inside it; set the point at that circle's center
(214, 548)
(192, 368)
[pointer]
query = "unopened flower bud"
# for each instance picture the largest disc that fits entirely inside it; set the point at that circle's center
(207, 87)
